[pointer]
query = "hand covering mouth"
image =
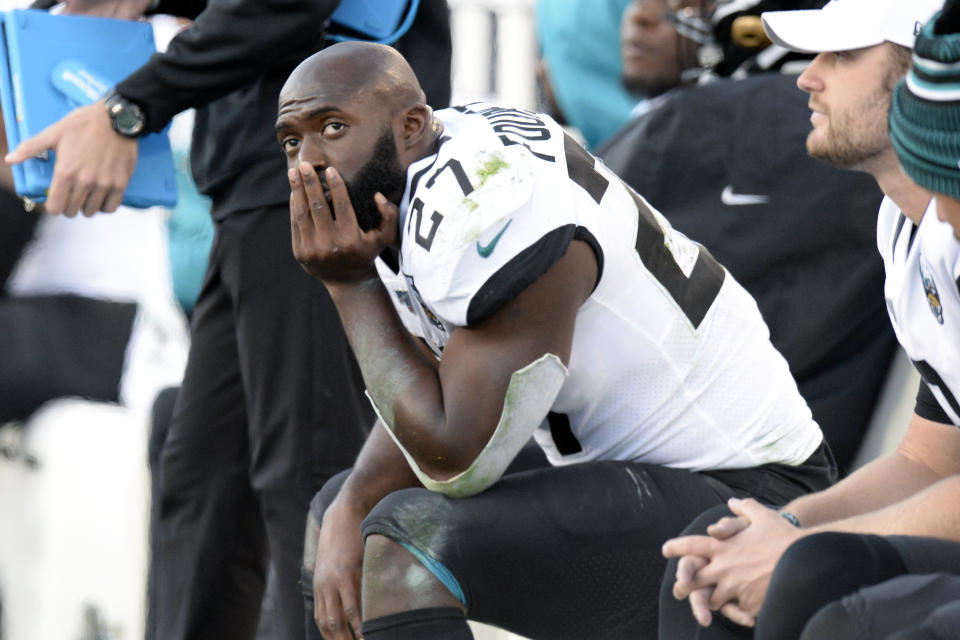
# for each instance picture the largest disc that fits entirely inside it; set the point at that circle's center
(326, 188)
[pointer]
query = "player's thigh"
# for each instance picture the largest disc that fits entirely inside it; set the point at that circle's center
(922, 554)
(909, 606)
(806, 579)
(566, 552)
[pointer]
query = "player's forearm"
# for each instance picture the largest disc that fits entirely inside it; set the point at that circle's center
(400, 378)
(877, 485)
(380, 469)
(932, 511)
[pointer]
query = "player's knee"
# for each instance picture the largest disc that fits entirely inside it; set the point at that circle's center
(318, 506)
(310, 539)
(699, 524)
(394, 580)
(832, 621)
(389, 570)
(407, 541)
(385, 559)
(809, 562)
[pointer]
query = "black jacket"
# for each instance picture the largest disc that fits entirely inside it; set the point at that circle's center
(230, 65)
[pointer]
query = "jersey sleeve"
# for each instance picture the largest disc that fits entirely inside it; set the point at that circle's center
(492, 242)
(927, 406)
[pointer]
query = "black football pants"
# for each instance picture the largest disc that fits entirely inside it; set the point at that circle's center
(271, 406)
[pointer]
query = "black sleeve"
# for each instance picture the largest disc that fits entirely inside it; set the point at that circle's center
(181, 8)
(928, 407)
(230, 43)
(427, 47)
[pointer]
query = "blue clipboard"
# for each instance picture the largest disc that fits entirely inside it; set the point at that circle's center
(49, 65)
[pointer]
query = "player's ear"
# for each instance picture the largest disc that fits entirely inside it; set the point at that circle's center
(415, 125)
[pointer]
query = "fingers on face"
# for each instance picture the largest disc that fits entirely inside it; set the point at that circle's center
(301, 220)
(295, 238)
(316, 200)
(389, 212)
(340, 198)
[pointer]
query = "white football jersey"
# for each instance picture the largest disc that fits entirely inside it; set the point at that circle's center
(671, 361)
(922, 266)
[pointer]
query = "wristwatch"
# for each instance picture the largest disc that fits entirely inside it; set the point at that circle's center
(126, 117)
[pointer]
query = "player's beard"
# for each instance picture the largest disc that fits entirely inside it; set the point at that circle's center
(381, 173)
(857, 135)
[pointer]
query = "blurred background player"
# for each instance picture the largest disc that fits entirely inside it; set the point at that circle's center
(578, 72)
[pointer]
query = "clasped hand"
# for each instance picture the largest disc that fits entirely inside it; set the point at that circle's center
(728, 570)
(327, 241)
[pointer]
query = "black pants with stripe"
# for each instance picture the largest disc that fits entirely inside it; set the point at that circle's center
(570, 552)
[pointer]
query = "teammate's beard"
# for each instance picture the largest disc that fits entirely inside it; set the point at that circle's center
(381, 173)
(858, 135)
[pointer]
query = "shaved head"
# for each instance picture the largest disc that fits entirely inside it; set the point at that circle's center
(365, 71)
(357, 107)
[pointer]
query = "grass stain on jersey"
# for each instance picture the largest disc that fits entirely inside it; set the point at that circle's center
(491, 167)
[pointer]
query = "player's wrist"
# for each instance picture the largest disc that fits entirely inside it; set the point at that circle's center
(127, 118)
(361, 283)
(791, 518)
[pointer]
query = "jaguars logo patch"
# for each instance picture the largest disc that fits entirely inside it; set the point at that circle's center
(930, 288)
(427, 311)
(404, 299)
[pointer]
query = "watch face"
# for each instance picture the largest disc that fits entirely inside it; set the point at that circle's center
(127, 118)
(128, 121)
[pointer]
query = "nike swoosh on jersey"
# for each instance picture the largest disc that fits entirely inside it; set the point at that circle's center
(733, 199)
(486, 250)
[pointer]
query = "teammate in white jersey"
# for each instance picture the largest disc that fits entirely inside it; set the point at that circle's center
(552, 301)
(809, 573)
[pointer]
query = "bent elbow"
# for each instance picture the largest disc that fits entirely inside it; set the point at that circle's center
(466, 484)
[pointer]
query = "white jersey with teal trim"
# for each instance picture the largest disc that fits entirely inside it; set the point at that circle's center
(671, 362)
(922, 266)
